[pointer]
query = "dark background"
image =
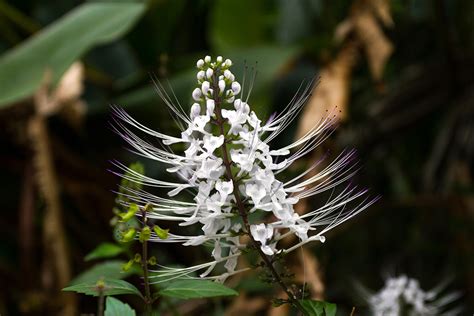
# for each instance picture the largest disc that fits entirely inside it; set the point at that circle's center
(400, 71)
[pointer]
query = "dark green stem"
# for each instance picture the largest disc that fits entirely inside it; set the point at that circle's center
(100, 304)
(144, 264)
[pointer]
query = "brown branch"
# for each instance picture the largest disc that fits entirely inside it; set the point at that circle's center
(54, 237)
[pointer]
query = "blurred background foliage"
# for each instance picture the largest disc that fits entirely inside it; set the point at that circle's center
(398, 73)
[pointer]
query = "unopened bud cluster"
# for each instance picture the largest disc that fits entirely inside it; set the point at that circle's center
(214, 74)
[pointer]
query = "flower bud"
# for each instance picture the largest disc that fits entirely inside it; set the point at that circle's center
(207, 59)
(152, 261)
(148, 207)
(137, 257)
(209, 73)
(221, 86)
(200, 75)
(195, 110)
(145, 234)
(205, 87)
(128, 235)
(100, 285)
(132, 210)
(238, 104)
(210, 106)
(127, 265)
(219, 59)
(228, 63)
(200, 63)
(197, 94)
(235, 87)
(160, 232)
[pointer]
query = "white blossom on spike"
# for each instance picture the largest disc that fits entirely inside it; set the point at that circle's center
(230, 166)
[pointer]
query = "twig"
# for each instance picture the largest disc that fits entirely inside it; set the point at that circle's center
(148, 298)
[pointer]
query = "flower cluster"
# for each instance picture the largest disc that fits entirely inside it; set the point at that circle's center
(404, 296)
(231, 172)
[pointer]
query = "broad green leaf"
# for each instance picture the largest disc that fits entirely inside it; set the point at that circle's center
(186, 289)
(108, 269)
(330, 309)
(114, 307)
(318, 308)
(57, 46)
(104, 250)
(111, 287)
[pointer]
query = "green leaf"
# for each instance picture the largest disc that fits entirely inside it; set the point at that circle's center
(318, 308)
(104, 250)
(186, 289)
(114, 307)
(111, 287)
(57, 46)
(330, 309)
(108, 269)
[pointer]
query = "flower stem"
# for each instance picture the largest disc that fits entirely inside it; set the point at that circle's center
(144, 264)
(100, 303)
(240, 205)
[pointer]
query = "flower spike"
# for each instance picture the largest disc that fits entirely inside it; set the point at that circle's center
(231, 170)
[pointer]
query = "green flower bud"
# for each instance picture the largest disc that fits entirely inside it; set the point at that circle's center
(145, 234)
(148, 207)
(100, 285)
(160, 232)
(152, 261)
(128, 235)
(132, 210)
(137, 257)
(114, 221)
(127, 265)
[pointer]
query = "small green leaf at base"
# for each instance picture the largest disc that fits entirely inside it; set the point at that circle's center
(104, 250)
(186, 289)
(109, 287)
(114, 307)
(318, 308)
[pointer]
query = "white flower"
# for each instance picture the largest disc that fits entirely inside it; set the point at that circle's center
(230, 167)
(262, 234)
(211, 143)
(404, 296)
(255, 192)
